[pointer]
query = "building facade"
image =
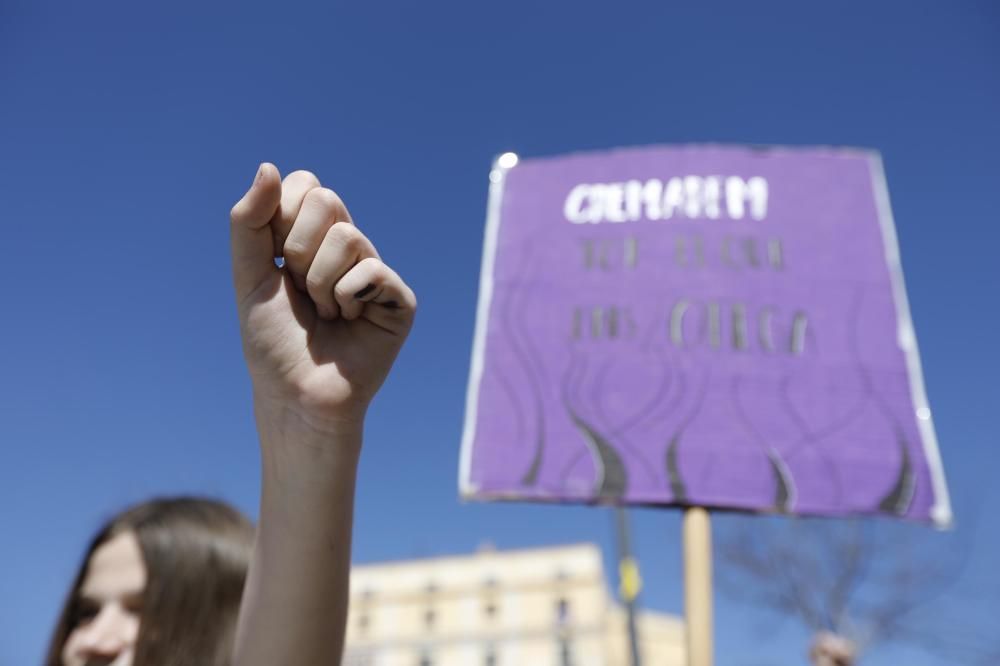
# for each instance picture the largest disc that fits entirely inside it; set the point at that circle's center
(535, 607)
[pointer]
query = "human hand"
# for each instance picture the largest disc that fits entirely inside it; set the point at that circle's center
(321, 333)
(829, 649)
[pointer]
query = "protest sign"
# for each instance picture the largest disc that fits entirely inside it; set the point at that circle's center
(717, 326)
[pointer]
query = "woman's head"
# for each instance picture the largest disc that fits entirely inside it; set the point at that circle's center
(160, 583)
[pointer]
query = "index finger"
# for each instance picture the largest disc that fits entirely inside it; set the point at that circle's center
(294, 189)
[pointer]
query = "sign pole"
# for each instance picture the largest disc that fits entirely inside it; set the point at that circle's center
(697, 535)
(629, 582)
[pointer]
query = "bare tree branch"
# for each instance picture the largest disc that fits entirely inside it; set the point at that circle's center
(862, 579)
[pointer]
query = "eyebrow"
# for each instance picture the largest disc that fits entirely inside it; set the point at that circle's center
(129, 597)
(85, 603)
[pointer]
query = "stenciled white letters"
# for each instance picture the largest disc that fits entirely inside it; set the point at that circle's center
(681, 197)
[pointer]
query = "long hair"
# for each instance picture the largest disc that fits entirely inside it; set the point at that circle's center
(196, 553)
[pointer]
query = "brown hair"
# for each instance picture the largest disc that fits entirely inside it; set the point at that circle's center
(196, 553)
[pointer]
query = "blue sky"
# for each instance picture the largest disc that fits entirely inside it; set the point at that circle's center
(127, 132)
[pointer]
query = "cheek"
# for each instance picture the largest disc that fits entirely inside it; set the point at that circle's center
(71, 653)
(75, 653)
(130, 628)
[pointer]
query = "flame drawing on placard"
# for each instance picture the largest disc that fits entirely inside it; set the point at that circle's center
(784, 483)
(676, 481)
(811, 438)
(524, 354)
(612, 478)
(512, 398)
(586, 400)
(897, 501)
(678, 487)
(616, 433)
(784, 488)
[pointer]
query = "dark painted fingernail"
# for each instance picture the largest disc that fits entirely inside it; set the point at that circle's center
(364, 292)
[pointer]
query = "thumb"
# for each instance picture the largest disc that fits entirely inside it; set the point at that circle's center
(251, 237)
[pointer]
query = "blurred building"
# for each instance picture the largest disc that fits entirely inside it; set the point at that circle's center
(539, 607)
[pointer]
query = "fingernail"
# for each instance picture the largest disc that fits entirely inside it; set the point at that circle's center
(364, 292)
(260, 174)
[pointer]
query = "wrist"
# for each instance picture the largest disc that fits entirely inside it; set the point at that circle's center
(305, 413)
(290, 433)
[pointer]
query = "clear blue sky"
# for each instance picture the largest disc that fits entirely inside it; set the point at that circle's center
(126, 132)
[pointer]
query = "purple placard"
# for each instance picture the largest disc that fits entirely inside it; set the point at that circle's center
(698, 325)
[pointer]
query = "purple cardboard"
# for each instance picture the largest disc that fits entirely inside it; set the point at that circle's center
(699, 325)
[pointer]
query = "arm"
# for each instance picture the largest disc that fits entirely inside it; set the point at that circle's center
(320, 336)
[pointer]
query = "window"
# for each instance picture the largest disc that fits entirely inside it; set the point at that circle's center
(565, 654)
(562, 611)
(489, 598)
(429, 615)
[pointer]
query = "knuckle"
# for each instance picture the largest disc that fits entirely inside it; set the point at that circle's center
(323, 198)
(301, 178)
(317, 286)
(345, 235)
(294, 250)
(381, 273)
(372, 269)
(377, 268)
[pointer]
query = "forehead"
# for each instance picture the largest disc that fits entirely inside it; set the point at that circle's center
(115, 569)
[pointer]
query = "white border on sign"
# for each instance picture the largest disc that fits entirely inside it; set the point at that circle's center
(940, 511)
(498, 174)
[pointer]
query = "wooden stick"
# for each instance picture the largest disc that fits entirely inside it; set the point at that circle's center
(698, 585)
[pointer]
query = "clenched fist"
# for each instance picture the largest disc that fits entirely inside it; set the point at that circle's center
(321, 332)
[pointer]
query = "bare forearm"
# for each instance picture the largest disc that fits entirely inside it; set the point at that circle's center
(295, 603)
(320, 335)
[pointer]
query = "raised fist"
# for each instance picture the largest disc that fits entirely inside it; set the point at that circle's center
(321, 331)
